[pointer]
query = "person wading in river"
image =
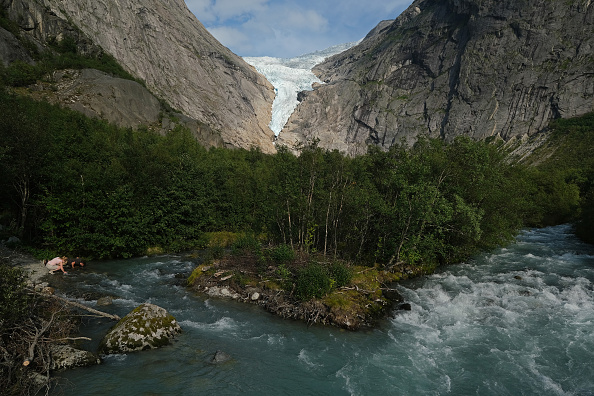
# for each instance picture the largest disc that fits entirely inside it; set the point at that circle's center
(57, 263)
(75, 261)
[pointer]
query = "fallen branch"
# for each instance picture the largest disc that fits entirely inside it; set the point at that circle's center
(81, 306)
(38, 333)
(74, 339)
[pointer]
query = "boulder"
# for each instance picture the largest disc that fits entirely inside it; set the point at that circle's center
(146, 327)
(67, 357)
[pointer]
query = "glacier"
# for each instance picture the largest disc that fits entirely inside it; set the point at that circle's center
(289, 76)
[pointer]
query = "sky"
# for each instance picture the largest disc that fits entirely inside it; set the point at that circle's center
(289, 28)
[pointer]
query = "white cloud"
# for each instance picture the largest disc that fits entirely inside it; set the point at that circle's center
(288, 28)
(228, 9)
(223, 10)
(306, 20)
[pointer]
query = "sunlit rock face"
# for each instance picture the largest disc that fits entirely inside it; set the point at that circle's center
(162, 43)
(454, 67)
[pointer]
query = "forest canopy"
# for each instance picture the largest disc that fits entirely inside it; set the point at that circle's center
(76, 185)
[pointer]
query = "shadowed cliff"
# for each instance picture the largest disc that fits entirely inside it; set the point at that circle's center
(447, 68)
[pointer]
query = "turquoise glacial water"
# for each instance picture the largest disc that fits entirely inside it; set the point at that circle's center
(517, 321)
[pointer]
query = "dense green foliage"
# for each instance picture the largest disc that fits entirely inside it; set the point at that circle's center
(568, 173)
(312, 281)
(81, 186)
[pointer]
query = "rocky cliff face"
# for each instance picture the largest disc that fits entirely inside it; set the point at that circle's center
(162, 43)
(444, 68)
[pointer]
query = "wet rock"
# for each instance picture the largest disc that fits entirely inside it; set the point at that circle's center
(518, 277)
(146, 327)
(37, 379)
(392, 295)
(12, 241)
(217, 291)
(405, 307)
(105, 301)
(48, 290)
(67, 357)
(220, 357)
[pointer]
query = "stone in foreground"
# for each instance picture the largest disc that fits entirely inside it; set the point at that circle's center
(146, 327)
(67, 357)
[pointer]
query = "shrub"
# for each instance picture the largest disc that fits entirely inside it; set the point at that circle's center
(246, 243)
(285, 274)
(21, 74)
(341, 273)
(14, 300)
(283, 254)
(313, 281)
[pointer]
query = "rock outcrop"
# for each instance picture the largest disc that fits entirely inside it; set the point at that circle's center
(217, 95)
(11, 49)
(122, 102)
(162, 43)
(146, 327)
(450, 67)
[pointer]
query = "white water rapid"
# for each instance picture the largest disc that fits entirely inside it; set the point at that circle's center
(515, 321)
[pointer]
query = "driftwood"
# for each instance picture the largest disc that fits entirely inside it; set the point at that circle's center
(81, 306)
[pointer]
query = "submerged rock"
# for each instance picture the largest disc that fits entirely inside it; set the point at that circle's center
(220, 357)
(146, 327)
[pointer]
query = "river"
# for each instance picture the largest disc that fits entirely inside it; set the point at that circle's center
(516, 321)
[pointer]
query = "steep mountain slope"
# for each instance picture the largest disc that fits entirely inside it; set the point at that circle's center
(162, 43)
(451, 67)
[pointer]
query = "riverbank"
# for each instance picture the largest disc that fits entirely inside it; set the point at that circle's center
(33, 268)
(39, 330)
(367, 299)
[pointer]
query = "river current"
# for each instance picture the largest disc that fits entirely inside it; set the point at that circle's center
(516, 321)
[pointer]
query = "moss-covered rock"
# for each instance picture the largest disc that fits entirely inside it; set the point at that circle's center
(67, 357)
(146, 327)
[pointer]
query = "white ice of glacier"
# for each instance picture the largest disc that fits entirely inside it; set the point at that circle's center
(289, 76)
